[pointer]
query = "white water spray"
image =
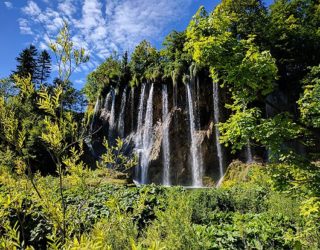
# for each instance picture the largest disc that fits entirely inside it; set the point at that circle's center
(121, 116)
(194, 149)
(216, 121)
(249, 153)
(112, 115)
(165, 140)
(147, 138)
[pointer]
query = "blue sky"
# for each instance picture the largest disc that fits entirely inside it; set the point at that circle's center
(100, 26)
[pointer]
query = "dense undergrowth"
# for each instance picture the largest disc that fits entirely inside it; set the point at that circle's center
(245, 213)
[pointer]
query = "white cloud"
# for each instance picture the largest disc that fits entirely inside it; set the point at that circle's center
(8, 5)
(79, 81)
(104, 26)
(31, 9)
(24, 26)
(43, 46)
(67, 7)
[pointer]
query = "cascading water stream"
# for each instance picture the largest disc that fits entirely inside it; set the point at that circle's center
(105, 114)
(140, 117)
(121, 116)
(249, 153)
(194, 149)
(138, 136)
(217, 132)
(112, 115)
(165, 140)
(106, 103)
(147, 138)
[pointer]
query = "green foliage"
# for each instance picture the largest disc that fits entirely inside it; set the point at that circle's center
(106, 75)
(175, 61)
(251, 52)
(115, 158)
(44, 67)
(27, 63)
(144, 64)
(309, 103)
(254, 77)
(246, 212)
(275, 132)
(68, 58)
(239, 128)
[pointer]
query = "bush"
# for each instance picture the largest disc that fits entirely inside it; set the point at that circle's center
(244, 214)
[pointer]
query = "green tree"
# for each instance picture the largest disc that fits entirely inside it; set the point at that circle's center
(61, 133)
(175, 60)
(27, 63)
(108, 74)
(293, 39)
(125, 69)
(309, 102)
(43, 67)
(72, 99)
(17, 122)
(144, 64)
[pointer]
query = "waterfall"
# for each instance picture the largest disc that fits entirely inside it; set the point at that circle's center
(121, 116)
(194, 149)
(249, 153)
(216, 121)
(96, 107)
(138, 139)
(105, 111)
(112, 115)
(165, 140)
(106, 103)
(138, 136)
(147, 138)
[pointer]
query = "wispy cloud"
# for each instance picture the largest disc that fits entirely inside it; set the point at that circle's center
(103, 26)
(31, 9)
(8, 5)
(24, 26)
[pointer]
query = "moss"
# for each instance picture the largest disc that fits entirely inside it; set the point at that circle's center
(240, 172)
(208, 181)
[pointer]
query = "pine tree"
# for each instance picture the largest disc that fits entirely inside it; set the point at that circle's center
(43, 69)
(125, 69)
(27, 63)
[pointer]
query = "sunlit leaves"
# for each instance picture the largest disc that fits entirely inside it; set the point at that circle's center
(8, 121)
(115, 159)
(52, 134)
(275, 132)
(68, 57)
(239, 63)
(50, 103)
(254, 77)
(239, 128)
(25, 85)
(144, 64)
(106, 75)
(309, 103)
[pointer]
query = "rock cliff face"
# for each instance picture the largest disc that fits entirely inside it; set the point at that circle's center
(171, 130)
